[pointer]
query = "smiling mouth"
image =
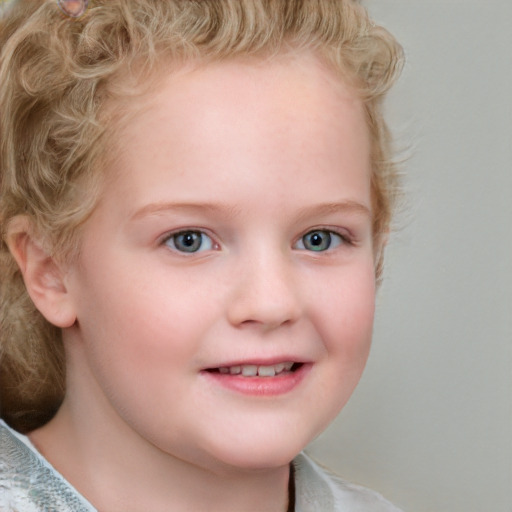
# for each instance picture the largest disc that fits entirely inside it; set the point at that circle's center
(253, 370)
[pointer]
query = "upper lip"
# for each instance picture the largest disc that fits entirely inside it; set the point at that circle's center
(258, 361)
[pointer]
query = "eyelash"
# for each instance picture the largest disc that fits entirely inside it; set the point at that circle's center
(195, 239)
(342, 239)
(193, 236)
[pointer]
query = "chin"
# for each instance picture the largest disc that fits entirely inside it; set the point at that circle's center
(259, 460)
(258, 452)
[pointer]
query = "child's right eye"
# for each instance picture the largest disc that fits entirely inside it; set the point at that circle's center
(189, 241)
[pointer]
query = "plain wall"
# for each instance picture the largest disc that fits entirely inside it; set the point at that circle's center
(430, 425)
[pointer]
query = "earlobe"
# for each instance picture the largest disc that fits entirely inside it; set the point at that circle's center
(44, 278)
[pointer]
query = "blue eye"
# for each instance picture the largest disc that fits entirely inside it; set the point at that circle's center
(190, 241)
(319, 240)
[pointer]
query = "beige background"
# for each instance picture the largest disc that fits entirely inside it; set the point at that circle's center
(431, 424)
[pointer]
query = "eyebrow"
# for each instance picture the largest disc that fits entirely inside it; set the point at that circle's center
(156, 208)
(349, 207)
(229, 211)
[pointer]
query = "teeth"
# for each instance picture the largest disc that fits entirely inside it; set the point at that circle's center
(266, 371)
(279, 367)
(235, 370)
(249, 370)
(252, 370)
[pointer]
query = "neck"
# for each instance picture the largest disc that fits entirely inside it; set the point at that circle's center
(117, 470)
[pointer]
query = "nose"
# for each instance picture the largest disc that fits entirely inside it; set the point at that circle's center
(265, 293)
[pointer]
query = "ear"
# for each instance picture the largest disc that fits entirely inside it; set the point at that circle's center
(44, 278)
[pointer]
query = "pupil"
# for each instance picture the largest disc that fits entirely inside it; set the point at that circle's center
(188, 242)
(188, 239)
(316, 239)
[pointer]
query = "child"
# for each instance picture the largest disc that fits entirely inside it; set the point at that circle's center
(195, 199)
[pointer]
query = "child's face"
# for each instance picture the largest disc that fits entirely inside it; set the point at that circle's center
(236, 233)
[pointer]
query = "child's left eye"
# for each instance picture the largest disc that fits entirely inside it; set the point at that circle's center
(189, 241)
(320, 240)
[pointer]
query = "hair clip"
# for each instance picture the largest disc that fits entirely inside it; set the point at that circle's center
(73, 8)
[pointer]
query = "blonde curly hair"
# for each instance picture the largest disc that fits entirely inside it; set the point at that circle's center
(59, 80)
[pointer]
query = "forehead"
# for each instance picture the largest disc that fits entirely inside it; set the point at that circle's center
(296, 80)
(288, 111)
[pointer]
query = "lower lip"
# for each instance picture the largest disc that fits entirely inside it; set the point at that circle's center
(261, 386)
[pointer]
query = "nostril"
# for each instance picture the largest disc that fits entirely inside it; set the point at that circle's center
(265, 296)
(268, 321)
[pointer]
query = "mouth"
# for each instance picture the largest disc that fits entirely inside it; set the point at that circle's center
(259, 380)
(254, 370)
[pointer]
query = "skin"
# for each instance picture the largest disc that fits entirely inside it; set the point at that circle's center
(257, 155)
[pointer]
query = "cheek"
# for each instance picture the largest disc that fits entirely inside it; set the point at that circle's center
(348, 309)
(135, 341)
(344, 320)
(346, 330)
(134, 326)
(141, 326)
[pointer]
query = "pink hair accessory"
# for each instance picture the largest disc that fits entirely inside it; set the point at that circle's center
(73, 8)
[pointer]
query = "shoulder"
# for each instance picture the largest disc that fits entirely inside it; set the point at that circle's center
(316, 488)
(29, 483)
